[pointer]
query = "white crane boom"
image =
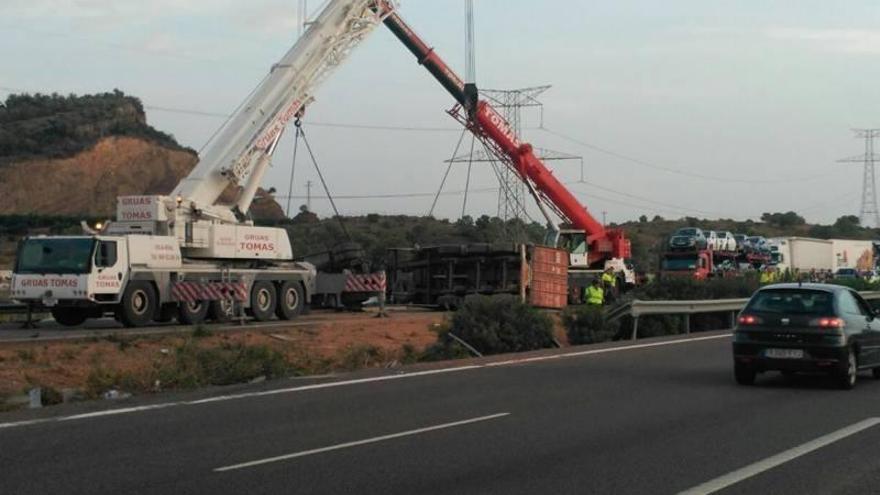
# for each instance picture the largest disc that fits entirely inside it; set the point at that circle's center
(241, 152)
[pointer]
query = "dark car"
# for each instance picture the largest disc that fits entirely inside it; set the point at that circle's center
(807, 328)
(846, 273)
(688, 238)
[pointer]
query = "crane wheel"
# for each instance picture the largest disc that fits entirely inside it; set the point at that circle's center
(290, 301)
(263, 300)
(223, 310)
(192, 313)
(69, 317)
(138, 306)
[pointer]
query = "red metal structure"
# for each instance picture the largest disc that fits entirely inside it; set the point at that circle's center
(494, 131)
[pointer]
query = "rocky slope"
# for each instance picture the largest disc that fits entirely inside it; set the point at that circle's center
(72, 156)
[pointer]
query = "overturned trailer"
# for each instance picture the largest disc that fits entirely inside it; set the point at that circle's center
(444, 275)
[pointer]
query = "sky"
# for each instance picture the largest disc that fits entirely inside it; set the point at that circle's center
(679, 108)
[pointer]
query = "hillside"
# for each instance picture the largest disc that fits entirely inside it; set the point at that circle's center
(72, 156)
(54, 126)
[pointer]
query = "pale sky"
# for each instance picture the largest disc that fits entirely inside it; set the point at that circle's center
(750, 102)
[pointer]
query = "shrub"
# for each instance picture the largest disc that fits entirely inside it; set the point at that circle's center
(26, 355)
(99, 381)
(359, 356)
(859, 284)
(587, 325)
(685, 288)
(123, 342)
(50, 396)
(194, 366)
(201, 331)
(495, 325)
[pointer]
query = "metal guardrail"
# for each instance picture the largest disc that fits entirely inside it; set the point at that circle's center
(638, 308)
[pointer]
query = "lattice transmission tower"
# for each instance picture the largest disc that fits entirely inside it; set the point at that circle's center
(869, 214)
(512, 194)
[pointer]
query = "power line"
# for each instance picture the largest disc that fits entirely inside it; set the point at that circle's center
(399, 195)
(372, 127)
(685, 173)
(659, 203)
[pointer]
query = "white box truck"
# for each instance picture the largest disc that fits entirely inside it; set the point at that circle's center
(804, 254)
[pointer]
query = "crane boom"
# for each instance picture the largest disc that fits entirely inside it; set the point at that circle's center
(241, 152)
(484, 121)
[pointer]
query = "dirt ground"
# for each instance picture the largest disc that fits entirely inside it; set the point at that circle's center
(337, 343)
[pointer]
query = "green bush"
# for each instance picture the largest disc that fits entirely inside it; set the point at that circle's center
(859, 284)
(685, 288)
(587, 325)
(495, 325)
(446, 348)
(193, 366)
(101, 380)
(360, 356)
(50, 396)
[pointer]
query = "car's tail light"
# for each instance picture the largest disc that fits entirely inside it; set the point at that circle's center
(749, 320)
(828, 322)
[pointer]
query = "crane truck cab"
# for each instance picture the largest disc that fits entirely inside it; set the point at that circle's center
(78, 277)
(581, 272)
(699, 264)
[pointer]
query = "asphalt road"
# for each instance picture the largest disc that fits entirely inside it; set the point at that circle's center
(648, 419)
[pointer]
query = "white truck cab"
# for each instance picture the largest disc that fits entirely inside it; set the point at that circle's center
(82, 268)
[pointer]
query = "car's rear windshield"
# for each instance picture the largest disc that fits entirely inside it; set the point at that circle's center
(792, 301)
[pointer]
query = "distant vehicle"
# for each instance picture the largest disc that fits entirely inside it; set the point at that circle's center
(712, 240)
(846, 273)
(803, 254)
(807, 328)
(757, 240)
(726, 241)
(698, 264)
(742, 241)
(688, 238)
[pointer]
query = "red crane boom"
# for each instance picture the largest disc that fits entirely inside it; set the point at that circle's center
(489, 126)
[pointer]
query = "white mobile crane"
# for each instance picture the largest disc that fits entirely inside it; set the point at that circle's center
(186, 255)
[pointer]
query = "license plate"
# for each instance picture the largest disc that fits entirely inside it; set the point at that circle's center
(784, 353)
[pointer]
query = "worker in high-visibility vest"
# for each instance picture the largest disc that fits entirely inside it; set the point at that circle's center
(609, 281)
(766, 276)
(594, 294)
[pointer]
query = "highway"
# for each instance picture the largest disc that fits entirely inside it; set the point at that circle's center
(656, 416)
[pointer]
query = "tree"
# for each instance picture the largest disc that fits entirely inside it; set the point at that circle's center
(643, 219)
(847, 225)
(783, 220)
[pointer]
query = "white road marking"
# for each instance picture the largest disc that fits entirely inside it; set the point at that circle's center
(343, 383)
(360, 442)
(759, 467)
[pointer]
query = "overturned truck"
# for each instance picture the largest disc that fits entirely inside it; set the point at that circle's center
(444, 275)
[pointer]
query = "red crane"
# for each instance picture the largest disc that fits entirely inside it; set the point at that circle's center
(494, 131)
